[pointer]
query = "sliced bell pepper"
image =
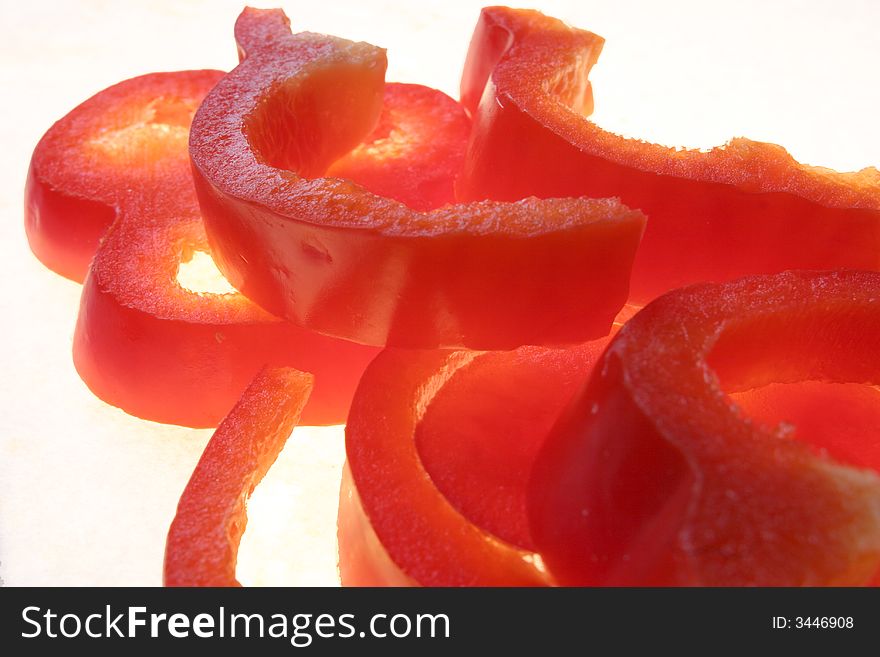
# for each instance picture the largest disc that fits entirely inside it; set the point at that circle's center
(159, 351)
(654, 476)
(163, 353)
(203, 541)
(439, 448)
(745, 208)
(143, 342)
(132, 135)
(330, 256)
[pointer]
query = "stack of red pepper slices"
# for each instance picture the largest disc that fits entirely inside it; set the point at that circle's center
(521, 467)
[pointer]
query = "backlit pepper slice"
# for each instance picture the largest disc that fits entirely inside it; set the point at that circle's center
(162, 352)
(143, 342)
(129, 136)
(746, 208)
(654, 475)
(335, 258)
(203, 541)
(439, 448)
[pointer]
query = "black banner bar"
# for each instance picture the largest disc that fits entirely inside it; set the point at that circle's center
(436, 621)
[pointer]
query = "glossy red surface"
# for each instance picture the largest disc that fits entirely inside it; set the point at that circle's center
(330, 256)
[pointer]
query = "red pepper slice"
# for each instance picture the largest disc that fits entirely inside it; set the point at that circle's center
(203, 541)
(130, 136)
(143, 342)
(746, 208)
(439, 449)
(161, 352)
(332, 257)
(654, 476)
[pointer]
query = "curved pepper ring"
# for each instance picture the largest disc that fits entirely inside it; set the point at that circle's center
(332, 257)
(654, 476)
(439, 446)
(742, 209)
(127, 137)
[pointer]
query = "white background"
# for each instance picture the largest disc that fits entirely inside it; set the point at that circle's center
(87, 492)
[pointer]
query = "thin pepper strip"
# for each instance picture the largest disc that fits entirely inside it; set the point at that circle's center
(439, 448)
(332, 257)
(129, 136)
(745, 208)
(654, 476)
(203, 541)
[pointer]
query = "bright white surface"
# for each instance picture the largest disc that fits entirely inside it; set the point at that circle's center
(87, 492)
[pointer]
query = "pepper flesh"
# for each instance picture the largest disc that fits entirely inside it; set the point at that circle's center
(203, 541)
(836, 419)
(439, 447)
(332, 257)
(415, 151)
(653, 476)
(746, 208)
(126, 137)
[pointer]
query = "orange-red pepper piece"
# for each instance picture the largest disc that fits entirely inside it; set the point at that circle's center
(143, 342)
(745, 208)
(330, 256)
(161, 352)
(654, 475)
(129, 136)
(439, 448)
(203, 541)
(157, 350)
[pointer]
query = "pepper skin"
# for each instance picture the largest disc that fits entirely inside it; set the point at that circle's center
(439, 448)
(203, 541)
(126, 137)
(330, 256)
(654, 476)
(745, 208)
